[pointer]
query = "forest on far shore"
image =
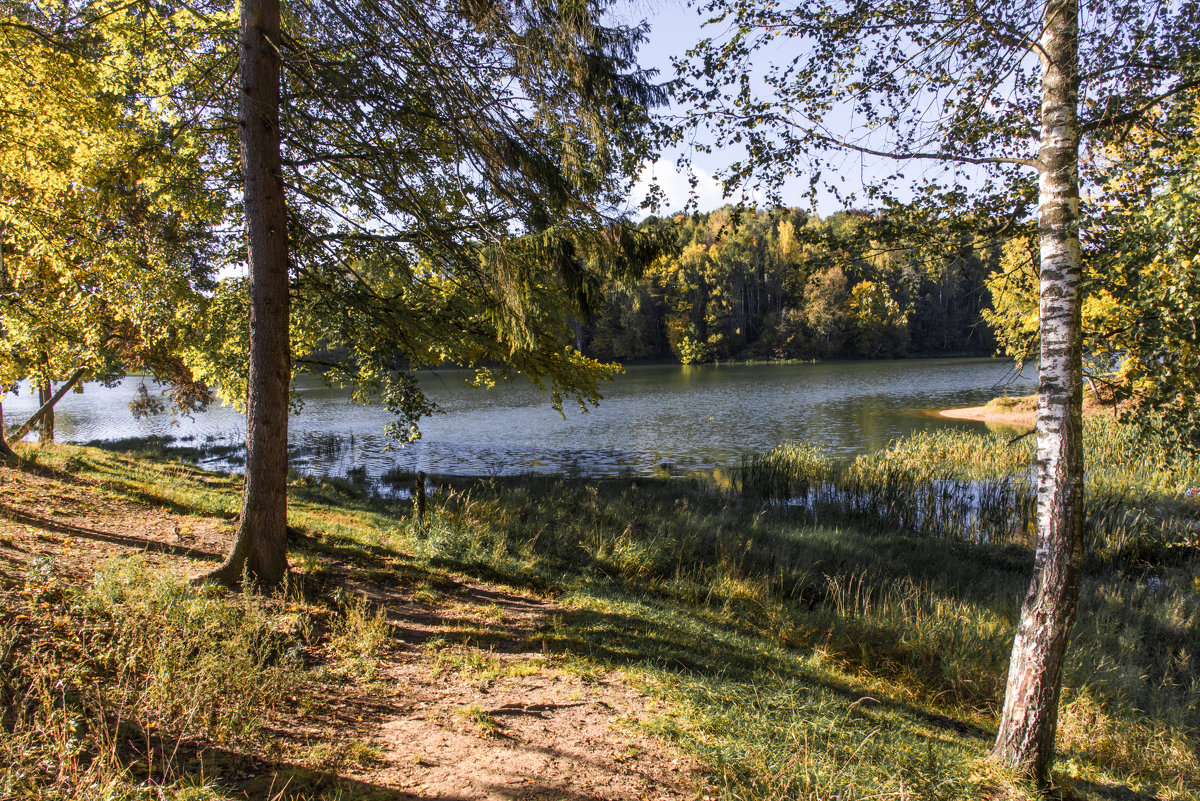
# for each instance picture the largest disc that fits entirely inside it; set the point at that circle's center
(784, 284)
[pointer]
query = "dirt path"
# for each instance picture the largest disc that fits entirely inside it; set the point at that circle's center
(549, 735)
(463, 705)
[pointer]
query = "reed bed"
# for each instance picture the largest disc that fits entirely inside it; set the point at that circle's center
(963, 486)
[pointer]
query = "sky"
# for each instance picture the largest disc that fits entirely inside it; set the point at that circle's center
(674, 28)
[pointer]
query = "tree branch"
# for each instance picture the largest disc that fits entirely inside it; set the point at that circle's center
(20, 433)
(1132, 116)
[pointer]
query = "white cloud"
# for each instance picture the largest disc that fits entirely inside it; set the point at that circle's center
(675, 186)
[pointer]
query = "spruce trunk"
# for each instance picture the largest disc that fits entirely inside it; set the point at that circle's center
(260, 547)
(1030, 715)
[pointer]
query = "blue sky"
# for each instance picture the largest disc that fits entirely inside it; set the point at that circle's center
(674, 28)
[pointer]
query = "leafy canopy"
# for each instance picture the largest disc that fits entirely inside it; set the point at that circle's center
(454, 173)
(107, 232)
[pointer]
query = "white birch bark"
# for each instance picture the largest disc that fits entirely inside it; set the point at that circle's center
(1030, 715)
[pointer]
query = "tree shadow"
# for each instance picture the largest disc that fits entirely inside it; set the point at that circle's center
(124, 540)
(626, 641)
(116, 482)
(251, 776)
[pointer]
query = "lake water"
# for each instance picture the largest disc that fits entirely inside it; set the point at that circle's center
(654, 420)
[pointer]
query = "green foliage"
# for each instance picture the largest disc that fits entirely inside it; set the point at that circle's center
(1147, 256)
(466, 219)
(1141, 285)
(691, 350)
(139, 653)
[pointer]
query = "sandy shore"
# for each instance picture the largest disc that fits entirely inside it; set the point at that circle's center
(1016, 412)
(1017, 418)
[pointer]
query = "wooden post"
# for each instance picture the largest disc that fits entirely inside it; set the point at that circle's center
(420, 496)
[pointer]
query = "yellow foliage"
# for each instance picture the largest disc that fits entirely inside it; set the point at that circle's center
(94, 209)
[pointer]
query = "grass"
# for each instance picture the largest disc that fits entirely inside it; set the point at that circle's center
(796, 653)
(137, 653)
(482, 721)
(358, 637)
(965, 486)
(798, 660)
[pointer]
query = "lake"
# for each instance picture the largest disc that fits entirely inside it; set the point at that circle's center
(654, 420)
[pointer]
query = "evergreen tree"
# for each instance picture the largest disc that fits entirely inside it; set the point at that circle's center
(449, 172)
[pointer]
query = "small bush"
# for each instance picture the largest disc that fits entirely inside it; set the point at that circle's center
(358, 638)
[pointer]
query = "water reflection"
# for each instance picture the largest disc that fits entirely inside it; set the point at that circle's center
(653, 420)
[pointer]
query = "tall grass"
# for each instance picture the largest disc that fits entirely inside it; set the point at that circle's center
(797, 660)
(832, 662)
(133, 668)
(963, 486)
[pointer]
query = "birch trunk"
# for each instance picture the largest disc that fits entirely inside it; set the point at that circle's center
(46, 424)
(260, 547)
(1030, 715)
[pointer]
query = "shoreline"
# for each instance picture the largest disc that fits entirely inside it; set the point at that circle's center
(1015, 418)
(1014, 412)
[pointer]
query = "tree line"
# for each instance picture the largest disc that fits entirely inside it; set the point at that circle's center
(784, 284)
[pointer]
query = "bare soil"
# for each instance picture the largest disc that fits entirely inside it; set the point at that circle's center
(1014, 417)
(445, 717)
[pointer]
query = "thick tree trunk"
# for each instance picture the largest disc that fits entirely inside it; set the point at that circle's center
(260, 548)
(1030, 715)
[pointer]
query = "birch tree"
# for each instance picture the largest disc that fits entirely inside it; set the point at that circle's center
(974, 100)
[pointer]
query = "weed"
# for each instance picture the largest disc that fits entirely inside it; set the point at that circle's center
(478, 664)
(358, 637)
(965, 486)
(769, 638)
(343, 755)
(425, 593)
(137, 655)
(481, 720)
